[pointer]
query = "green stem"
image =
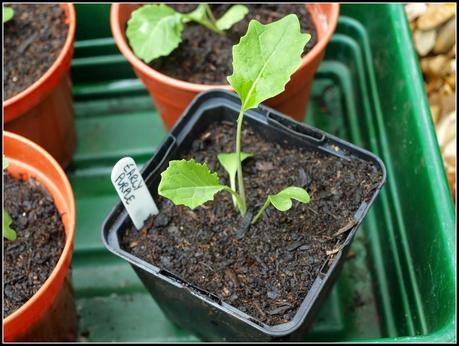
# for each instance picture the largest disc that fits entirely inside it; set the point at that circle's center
(233, 186)
(210, 13)
(240, 204)
(211, 26)
(261, 211)
(206, 23)
(240, 177)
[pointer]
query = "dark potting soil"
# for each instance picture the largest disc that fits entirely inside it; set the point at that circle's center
(33, 40)
(205, 57)
(268, 269)
(30, 259)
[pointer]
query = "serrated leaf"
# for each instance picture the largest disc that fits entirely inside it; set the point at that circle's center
(229, 162)
(189, 183)
(8, 14)
(5, 162)
(265, 58)
(154, 31)
(8, 232)
(234, 15)
(283, 200)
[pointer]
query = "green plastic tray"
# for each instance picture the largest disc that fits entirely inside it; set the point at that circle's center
(398, 283)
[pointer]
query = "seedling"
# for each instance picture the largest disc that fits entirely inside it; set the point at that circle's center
(283, 200)
(263, 62)
(155, 30)
(8, 232)
(8, 14)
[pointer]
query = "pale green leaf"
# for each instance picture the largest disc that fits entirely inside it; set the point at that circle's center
(8, 14)
(201, 15)
(189, 183)
(234, 15)
(265, 58)
(8, 232)
(198, 14)
(229, 162)
(5, 162)
(154, 31)
(283, 200)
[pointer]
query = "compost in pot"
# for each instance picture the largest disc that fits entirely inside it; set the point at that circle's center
(204, 56)
(33, 39)
(40, 237)
(267, 269)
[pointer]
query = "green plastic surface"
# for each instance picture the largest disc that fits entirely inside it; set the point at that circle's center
(398, 284)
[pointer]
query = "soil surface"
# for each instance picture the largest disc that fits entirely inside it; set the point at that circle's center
(33, 40)
(267, 269)
(205, 57)
(30, 259)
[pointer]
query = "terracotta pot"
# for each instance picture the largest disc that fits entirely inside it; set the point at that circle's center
(43, 112)
(171, 96)
(52, 307)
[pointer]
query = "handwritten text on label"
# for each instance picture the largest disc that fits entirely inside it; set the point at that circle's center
(128, 182)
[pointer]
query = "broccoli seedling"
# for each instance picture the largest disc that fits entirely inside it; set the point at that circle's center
(8, 14)
(282, 201)
(8, 232)
(263, 62)
(155, 30)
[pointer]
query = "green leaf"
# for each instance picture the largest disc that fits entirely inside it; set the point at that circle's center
(198, 14)
(234, 14)
(265, 58)
(8, 232)
(189, 183)
(154, 31)
(201, 15)
(8, 14)
(283, 200)
(229, 162)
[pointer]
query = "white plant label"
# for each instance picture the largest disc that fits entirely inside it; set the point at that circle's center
(133, 192)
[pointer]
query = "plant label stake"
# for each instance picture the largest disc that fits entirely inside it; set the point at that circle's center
(133, 192)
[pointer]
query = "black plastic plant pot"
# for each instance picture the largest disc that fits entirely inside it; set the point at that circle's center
(192, 308)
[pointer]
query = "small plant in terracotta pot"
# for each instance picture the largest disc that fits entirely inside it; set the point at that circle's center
(38, 231)
(38, 49)
(198, 55)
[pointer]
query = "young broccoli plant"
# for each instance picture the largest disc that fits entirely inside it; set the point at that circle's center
(155, 30)
(8, 232)
(8, 14)
(283, 200)
(263, 62)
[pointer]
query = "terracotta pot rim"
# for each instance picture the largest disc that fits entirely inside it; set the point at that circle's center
(123, 46)
(69, 239)
(71, 19)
